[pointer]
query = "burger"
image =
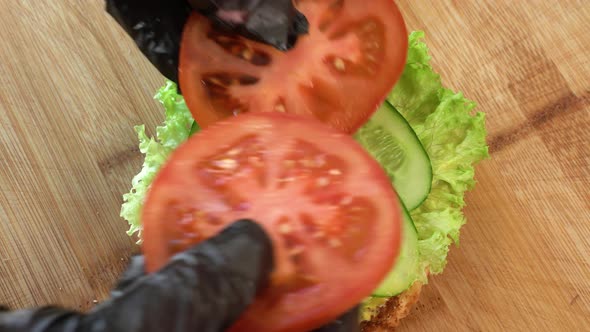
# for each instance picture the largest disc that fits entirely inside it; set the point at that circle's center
(356, 91)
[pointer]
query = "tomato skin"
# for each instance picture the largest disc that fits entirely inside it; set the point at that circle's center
(356, 212)
(339, 73)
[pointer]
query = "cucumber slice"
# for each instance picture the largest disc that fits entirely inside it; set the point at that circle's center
(388, 137)
(404, 273)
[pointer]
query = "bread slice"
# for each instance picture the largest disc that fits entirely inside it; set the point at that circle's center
(387, 316)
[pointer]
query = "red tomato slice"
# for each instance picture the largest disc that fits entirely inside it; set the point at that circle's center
(339, 73)
(327, 205)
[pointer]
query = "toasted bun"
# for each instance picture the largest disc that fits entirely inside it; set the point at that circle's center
(387, 316)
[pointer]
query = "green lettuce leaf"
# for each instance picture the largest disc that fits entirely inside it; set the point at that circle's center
(454, 137)
(177, 127)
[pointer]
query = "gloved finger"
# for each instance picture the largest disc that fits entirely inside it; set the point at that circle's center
(156, 27)
(135, 270)
(348, 322)
(205, 288)
(274, 22)
(300, 24)
(277, 23)
(43, 319)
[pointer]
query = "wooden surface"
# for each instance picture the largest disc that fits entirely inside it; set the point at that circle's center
(72, 86)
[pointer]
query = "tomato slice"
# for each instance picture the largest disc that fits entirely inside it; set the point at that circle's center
(339, 73)
(327, 205)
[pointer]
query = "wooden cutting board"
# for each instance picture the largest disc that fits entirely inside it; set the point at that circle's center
(72, 85)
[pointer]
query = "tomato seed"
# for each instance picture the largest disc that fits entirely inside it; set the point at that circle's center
(247, 54)
(370, 26)
(322, 182)
(335, 172)
(285, 228)
(227, 164)
(339, 64)
(288, 179)
(318, 235)
(335, 243)
(214, 81)
(234, 152)
(370, 57)
(346, 200)
(255, 161)
(296, 251)
(280, 108)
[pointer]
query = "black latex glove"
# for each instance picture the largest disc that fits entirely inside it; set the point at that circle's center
(156, 25)
(204, 289)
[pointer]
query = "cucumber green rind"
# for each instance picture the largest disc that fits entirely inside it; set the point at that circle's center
(390, 139)
(405, 270)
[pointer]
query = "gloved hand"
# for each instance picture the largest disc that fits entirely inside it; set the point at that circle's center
(156, 25)
(204, 289)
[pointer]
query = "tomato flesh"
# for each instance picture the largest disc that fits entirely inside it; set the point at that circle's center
(339, 73)
(328, 207)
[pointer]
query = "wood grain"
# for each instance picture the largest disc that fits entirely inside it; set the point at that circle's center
(72, 85)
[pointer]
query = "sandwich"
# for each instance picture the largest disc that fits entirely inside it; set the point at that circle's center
(364, 76)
